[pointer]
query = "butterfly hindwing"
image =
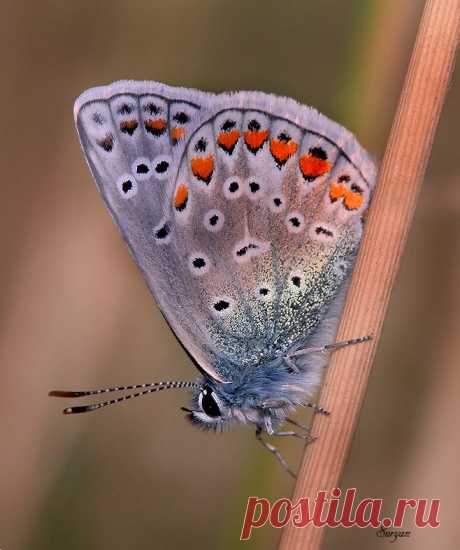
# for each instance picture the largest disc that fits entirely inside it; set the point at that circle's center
(243, 211)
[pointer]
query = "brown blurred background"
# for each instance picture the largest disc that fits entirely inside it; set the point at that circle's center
(75, 311)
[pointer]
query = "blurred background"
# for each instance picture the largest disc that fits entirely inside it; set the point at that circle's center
(75, 311)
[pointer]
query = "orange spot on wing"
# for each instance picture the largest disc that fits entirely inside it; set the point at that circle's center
(106, 143)
(282, 150)
(313, 167)
(336, 191)
(255, 139)
(181, 197)
(128, 126)
(203, 167)
(177, 133)
(352, 201)
(227, 140)
(156, 124)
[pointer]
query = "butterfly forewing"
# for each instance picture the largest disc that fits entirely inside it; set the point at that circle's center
(243, 211)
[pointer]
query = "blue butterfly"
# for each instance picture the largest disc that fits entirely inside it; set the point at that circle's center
(244, 212)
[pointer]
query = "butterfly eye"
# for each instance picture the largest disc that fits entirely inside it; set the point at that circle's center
(208, 403)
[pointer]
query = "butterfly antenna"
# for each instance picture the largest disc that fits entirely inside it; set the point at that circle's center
(148, 388)
(82, 393)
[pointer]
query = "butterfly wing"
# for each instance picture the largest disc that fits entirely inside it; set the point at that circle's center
(243, 211)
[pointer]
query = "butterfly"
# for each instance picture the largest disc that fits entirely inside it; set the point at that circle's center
(244, 212)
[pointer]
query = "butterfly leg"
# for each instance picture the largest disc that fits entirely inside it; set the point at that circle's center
(307, 437)
(298, 424)
(290, 363)
(275, 451)
(318, 409)
(334, 346)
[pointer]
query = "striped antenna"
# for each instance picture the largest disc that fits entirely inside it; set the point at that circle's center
(147, 388)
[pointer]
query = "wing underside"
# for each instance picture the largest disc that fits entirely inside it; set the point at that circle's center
(243, 211)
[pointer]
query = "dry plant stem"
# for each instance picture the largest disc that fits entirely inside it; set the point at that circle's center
(385, 236)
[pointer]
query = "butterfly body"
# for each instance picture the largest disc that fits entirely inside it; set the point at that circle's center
(244, 212)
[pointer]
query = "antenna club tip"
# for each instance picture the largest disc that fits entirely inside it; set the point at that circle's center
(66, 393)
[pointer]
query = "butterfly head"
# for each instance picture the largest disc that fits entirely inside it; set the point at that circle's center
(261, 396)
